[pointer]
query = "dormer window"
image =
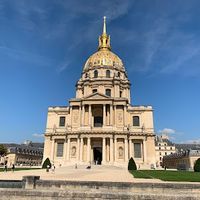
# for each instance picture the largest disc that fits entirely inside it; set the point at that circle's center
(107, 73)
(94, 91)
(95, 73)
(108, 92)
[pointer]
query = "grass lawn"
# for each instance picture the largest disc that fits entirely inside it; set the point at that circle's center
(168, 175)
(19, 169)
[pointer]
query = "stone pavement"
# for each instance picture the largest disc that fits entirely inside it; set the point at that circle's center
(96, 173)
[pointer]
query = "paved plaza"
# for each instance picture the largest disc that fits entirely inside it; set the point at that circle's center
(96, 173)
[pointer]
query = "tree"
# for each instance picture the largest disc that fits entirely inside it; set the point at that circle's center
(46, 162)
(131, 164)
(3, 150)
(197, 165)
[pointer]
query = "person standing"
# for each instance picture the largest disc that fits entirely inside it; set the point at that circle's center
(13, 167)
(5, 166)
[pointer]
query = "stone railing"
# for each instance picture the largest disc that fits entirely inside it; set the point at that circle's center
(34, 188)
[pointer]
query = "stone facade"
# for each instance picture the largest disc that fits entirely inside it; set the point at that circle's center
(100, 125)
(163, 147)
(28, 154)
(184, 160)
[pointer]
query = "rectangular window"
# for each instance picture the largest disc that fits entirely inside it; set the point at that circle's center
(137, 150)
(60, 147)
(62, 121)
(136, 121)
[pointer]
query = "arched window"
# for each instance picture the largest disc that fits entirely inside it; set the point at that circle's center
(136, 121)
(95, 73)
(107, 73)
(120, 94)
(94, 90)
(118, 74)
(108, 92)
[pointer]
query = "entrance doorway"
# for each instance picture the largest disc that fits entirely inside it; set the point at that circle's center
(97, 151)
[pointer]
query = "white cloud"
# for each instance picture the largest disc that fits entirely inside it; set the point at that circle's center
(112, 9)
(167, 131)
(37, 135)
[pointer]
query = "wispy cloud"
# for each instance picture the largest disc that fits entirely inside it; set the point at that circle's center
(38, 135)
(25, 56)
(63, 66)
(165, 42)
(195, 141)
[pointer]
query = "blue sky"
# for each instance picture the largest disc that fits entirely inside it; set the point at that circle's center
(44, 45)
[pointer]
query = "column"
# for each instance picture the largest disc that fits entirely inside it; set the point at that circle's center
(126, 149)
(108, 115)
(88, 149)
(111, 115)
(81, 150)
(111, 150)
(68, 149)
(71, 110)
(115, 115)
(89, 116)
(104, 151)
(65, 150)
(104, 114)
(115, 149)
(52, 149)
(125, 116)
(83, 115)
(78, 149)
(130, 148)
(80, 119)
(144, 151)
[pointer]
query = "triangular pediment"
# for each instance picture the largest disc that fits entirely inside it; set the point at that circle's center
(96, 96)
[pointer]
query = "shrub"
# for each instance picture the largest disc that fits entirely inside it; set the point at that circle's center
(3, 150)
(46, 162)
(131, 164)
(197, 165)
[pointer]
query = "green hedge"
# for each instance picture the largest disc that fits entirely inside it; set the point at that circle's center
(131, 164)
(46, 162)
(197, 165)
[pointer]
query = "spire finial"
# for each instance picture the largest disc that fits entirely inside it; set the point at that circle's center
(104, 39)
(104, 25)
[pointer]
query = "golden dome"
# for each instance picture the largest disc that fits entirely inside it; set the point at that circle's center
(104, 56)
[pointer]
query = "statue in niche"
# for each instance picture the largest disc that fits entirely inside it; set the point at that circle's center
(73, 153)
(121, 152)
